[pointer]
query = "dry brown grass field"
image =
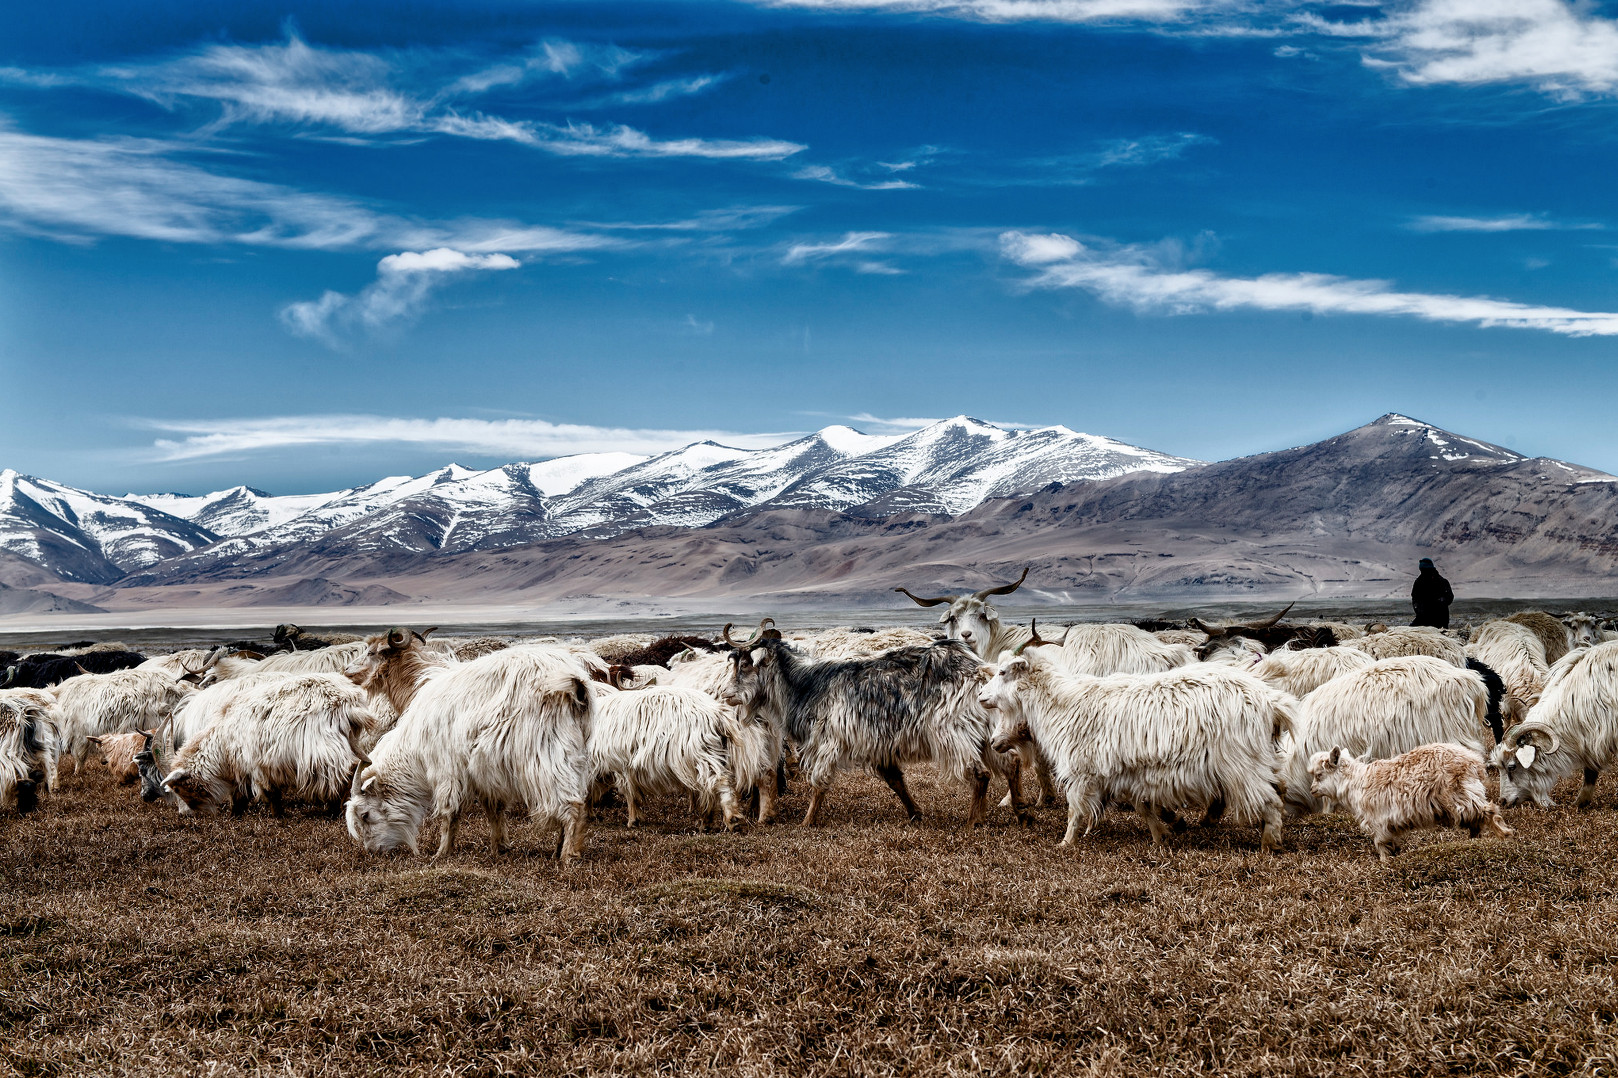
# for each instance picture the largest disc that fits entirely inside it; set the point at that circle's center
(136, 942)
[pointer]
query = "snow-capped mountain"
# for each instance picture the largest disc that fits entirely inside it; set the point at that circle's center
(948, 467)
(88, 537)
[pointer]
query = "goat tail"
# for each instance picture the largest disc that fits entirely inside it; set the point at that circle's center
(1285, 715)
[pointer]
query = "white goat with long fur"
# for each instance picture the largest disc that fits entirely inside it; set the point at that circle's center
(294, 736)
(1517, 654)
(1387, 708)
(1303, 671)
(1584, 630)
(667, 739)
(332, 660)
(187, 665)
(36, 703)
(116, 703)
(972, 619)
(1574, 727)
(28, 745)
(844, 643)
(508, 729)
(1195, 737)
(1100, 650)
(1429, 786)
(709, 672)
(1411, 640)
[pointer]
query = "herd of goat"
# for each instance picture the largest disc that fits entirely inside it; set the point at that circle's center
(1250, 722)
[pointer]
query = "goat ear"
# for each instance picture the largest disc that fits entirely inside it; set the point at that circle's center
(1526, 754)
(1336, 756)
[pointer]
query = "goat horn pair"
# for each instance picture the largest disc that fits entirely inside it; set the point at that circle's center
(1515, 734)
(1202, 627)
(1005, 589)
(1033, 642)
(758, 634)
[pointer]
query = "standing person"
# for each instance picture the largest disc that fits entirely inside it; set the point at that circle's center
(1431, 597)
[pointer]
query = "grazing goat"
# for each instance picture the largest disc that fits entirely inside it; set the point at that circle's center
(294, 736)
(1412, 640)
(1302, 672)
(885, 712)
(1200, 736)
(1389, 707)
(1573, 728)
(508, 729)
(1552, 634)
(1517, 654)
(973, 619)
(115, 703)
(1429, 786)
(660, 740)
(118, 753)
(27, 750)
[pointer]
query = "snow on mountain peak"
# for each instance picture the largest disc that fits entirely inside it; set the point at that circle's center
(851, 442)
(947, 467)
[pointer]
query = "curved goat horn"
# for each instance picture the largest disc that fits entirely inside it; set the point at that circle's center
(919, 601)
(1005, 589)
(358, 780)
(1033, 642)
(397, 637)
(1267, 622)
(1529, 726)
(726, 634)
(758, 634)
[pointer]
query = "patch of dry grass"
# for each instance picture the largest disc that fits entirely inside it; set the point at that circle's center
(134, 942)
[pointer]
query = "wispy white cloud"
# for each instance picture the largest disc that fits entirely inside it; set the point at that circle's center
(1511, 222)
(827, 174)
(144, 188)
(1564, 49)
(1147, 149)
(371, 95)
(514, 439)
(403, 284)
(655, 93)
(1145, 280)
(616, 140)
(1040, 10)
(851, 243)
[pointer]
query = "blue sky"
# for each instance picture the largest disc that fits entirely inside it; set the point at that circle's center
(302, 245)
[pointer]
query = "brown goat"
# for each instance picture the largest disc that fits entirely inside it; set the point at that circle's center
(118, 751)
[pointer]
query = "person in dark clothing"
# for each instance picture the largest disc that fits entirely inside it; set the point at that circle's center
(1431, 597)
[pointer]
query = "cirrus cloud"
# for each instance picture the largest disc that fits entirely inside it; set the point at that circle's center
(1143, 280)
